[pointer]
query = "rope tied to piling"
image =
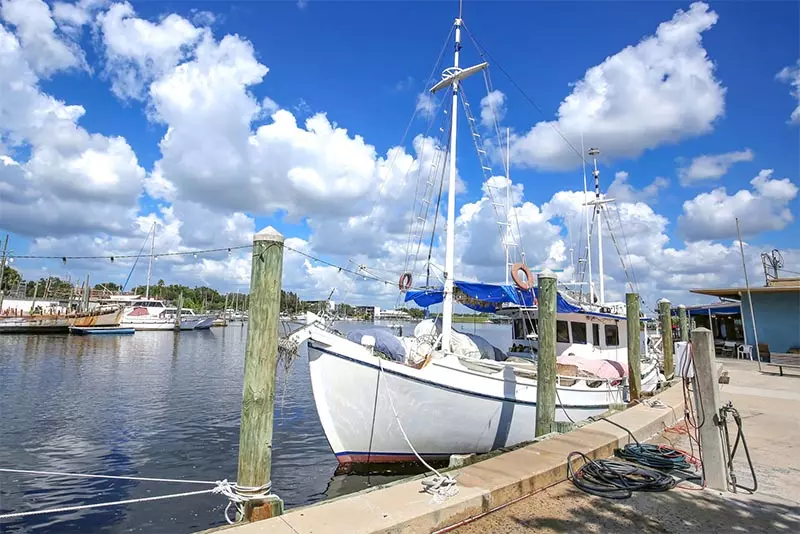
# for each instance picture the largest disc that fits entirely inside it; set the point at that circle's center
(237, 495)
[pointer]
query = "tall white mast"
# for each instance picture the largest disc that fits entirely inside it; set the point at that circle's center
(598, 206)
(451, 77)
(588, 227)
(508, 201)
(150, 262)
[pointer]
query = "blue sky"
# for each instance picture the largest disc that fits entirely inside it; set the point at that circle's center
(363, 64)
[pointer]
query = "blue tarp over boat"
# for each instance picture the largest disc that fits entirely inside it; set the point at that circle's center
(486, 297)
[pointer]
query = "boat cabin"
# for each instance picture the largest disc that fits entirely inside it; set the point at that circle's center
(584, 334)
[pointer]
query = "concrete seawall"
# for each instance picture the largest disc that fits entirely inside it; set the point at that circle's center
(483, 486)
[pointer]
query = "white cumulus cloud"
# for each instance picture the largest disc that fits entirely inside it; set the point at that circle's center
(766, 207)
(711, 167)
(45, 49)
(791, 75)
(661, 90)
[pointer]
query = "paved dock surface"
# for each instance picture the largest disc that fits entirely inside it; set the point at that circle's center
(770, 408)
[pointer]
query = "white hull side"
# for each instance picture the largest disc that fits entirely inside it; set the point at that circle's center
(444, 408)
(147, 323)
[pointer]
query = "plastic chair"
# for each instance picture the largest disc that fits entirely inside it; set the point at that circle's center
(744, 352)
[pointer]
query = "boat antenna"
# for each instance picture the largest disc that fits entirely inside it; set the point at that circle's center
(150, 263)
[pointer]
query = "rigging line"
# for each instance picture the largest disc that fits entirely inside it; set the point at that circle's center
(616, 246)
(144, 243)
(424, 206)
(435, 220)
(411, 121)
(487, 78)
(466, 106)
(420, 158)
(627, 250)
(486, 55)
(444, 158)
(125, 256)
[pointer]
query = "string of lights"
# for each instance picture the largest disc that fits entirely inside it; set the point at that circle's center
(362, 270)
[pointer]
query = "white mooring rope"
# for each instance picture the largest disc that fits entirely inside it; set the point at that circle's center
(439, 485)
(236, 495)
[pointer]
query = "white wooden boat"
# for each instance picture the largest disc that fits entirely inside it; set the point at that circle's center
(451, 405)
(439, 393)
(60, 322)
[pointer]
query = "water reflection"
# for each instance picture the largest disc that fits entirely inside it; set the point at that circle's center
(155, 404)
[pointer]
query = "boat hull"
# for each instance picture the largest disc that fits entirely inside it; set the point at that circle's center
(444, 408)
(49, 324)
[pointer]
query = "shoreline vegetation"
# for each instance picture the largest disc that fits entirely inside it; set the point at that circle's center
(199, 298)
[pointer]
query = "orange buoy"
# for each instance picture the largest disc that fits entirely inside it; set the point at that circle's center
(525, 283)
(405, 282)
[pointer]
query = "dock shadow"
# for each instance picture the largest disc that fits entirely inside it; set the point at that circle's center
(675, 511)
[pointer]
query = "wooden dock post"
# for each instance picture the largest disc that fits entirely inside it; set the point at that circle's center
(260, 367)
(634, 343)
(2, 271)
(179, 312)
(683, 322)
(546, 360)
(87, 291)
(705, 376)
(666, 337)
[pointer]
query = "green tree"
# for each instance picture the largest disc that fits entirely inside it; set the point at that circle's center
(11, 278)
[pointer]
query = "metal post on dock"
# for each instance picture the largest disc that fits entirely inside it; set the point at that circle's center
(546, 360)
(666, 337)
(683, 322)
(706, 380)
(634, 344)
(260, 367)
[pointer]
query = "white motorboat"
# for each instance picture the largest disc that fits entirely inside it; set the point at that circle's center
(189, 319)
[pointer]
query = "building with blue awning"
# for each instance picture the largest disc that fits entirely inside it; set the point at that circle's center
(776, 309)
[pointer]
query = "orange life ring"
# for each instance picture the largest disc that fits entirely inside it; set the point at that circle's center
(526, 283)
(405, 282)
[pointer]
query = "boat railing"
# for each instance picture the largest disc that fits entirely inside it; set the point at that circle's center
(530, 371)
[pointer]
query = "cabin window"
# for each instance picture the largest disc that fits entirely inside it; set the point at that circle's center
(578, 332)
(562, 332)
(525, 327)
(612, 335)
(595, 334)
(518, 329)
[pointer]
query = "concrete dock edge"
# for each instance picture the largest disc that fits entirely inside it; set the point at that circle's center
(483, 486)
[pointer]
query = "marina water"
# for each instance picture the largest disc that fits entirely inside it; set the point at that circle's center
(155, 404)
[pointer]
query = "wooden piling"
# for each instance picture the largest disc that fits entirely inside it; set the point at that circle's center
(2, 271)
(666, 337)
(179, 312)
(546, 358)
(634, 343)
(683, 322)
(87, 291)
(705, 377)
(260, 366)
